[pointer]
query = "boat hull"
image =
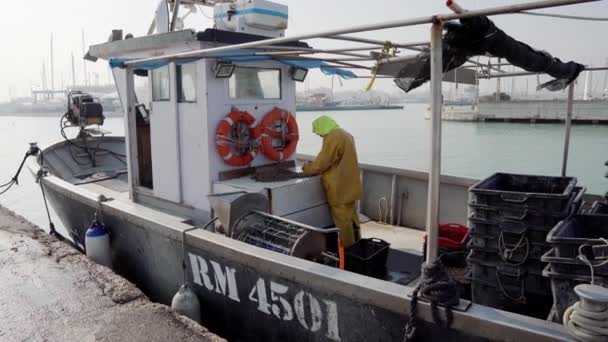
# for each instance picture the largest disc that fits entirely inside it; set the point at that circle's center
(232, 292)
(251, 294)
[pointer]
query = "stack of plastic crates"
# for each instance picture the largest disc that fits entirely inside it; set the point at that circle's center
(579, 255)
(510, 216)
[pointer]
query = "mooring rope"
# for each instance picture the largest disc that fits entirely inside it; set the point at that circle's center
(437, 287)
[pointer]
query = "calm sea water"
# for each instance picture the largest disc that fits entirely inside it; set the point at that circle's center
(398, 138)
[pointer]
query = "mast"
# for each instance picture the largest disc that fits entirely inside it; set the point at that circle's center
(43, 76)
(512, 83)
(587, 89)
(605, 85)
(52, 69)
(73, 72)
(84, 61)
(498, 83)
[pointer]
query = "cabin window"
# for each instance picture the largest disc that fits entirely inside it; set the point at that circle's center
(255, 83)
(160, 84)
(186, 82)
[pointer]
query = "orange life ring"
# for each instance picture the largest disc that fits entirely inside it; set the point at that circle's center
(279, 134)
(235, 138)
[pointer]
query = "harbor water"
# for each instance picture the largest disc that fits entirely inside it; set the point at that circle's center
(396, 138)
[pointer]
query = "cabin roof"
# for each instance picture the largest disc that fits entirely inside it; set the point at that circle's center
(123, 47)
(229, 37)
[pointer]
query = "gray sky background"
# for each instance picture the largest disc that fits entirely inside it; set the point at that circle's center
(26, 28)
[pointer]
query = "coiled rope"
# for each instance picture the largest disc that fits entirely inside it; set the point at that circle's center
(586, 325)
(437, 287)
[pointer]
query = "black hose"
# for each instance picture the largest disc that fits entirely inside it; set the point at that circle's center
(63, 124)
(33, 151)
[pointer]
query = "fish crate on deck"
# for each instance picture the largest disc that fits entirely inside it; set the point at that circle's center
(574, 265)
(599, 208)
(510, 217)
(515, 288)
(562, 288)
(578, 230)
(551, 195)
(515, 249)
(511, 228)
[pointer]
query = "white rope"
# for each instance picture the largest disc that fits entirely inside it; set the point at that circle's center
(564, 16)
(582, 257)
(586, 325)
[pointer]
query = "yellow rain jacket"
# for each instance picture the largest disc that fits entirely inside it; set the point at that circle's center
(339, 169)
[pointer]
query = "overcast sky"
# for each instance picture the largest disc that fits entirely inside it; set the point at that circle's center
(26, 28)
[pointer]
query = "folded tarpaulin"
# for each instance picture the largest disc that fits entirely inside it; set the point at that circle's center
(479, 36)
(241, 56)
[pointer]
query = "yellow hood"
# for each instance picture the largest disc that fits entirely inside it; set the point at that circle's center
(323, 125)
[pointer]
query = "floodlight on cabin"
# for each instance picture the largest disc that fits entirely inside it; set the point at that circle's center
(298, 74)
(224, 70)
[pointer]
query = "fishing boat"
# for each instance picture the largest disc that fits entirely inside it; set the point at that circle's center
(204, 186)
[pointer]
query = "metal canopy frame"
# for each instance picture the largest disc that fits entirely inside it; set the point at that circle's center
(436, 21)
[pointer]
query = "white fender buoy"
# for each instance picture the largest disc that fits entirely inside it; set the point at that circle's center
(186, 302)
(97, 244)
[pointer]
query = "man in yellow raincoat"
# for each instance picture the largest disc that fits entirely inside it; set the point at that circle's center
(339, 169)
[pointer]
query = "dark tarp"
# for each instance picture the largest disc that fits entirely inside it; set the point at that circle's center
(479, 36)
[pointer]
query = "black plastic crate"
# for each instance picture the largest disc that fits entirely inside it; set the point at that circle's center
(512, 249)
(367, 257)
(569, 234)
(562, 288)
(491, 258)
(531, 305)
(599, 208)
(542, 193)
(503, 276)
(534, 234)
(574, 265)
(523, 215)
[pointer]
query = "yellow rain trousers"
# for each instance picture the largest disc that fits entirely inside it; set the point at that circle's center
(339, 169)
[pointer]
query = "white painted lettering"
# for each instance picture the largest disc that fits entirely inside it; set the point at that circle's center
(200, 271)
(276, 290)
(333, 331)
(315, 310)
(222, 279)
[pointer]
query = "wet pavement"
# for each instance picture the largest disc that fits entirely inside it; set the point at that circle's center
(50, 292)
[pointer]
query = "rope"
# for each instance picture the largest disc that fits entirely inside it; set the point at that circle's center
(583, 324)
(564, 16)
(582, 257)
(43, 172)
(506, 254)
(437, 287)
(586, 325)
(387, 50)
(520, 298)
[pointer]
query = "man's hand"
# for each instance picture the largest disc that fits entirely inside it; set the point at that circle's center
(306, 169)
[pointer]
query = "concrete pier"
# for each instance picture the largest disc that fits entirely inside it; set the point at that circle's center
(50, 292)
